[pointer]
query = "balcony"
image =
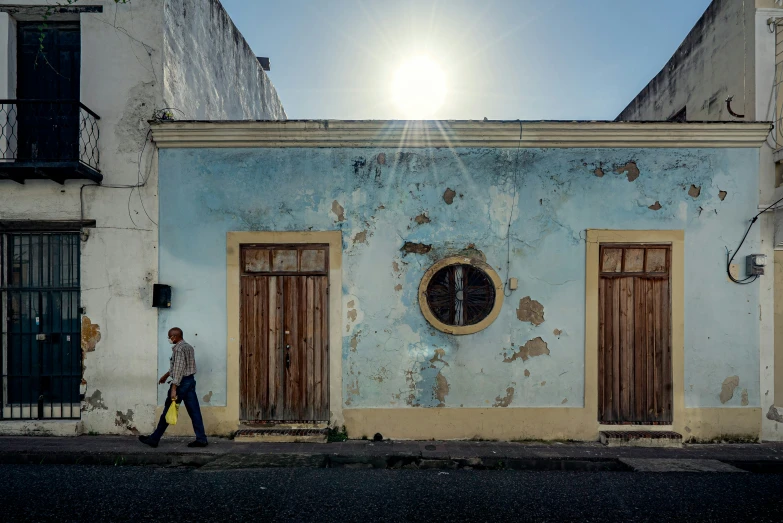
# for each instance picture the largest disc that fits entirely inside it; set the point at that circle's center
(48, 139)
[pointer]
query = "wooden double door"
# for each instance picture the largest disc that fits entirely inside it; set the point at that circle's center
(284, 326)
(634, 335)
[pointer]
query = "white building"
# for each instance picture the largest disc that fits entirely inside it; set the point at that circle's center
(730, 68)
(78, 194)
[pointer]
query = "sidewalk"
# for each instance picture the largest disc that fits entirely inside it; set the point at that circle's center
(226, 454)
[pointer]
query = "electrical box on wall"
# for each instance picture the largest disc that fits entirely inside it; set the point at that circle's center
(755, 264)
(161, 296)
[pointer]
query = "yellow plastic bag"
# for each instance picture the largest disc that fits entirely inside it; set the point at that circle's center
(172, 413)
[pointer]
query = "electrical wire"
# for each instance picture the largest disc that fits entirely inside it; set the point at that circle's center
(506, 290)
(141, 179)
(730, 257)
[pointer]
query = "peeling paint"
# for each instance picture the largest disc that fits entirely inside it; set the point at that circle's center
(527, 373)
(422, 219)
(415, 248)
(564, 401)
(91, 335)
(338, 211)
(441, 389)
(355, 340)
(744, 397)
(448, 196)
(381, 375)
(351, 389)
(687, 429)
(543, 383)
(557, 332)
(531, 349)
(361, 237)
(381, 159)
(694, 191)
(207, 397)
(774, 415)
(727, 389)
(398, 287)
(655, 207)
(631, 170)
(438, 358)
(505, 401)
(722, 195)
(125, 421)
(599, 172)
(531, 311)
(95, 401)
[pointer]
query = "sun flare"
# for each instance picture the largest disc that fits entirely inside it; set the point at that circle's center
(419, 88)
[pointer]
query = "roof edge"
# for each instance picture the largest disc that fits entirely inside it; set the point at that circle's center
(457, 133)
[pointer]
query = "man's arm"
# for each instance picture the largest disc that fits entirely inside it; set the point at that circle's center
(164, 377)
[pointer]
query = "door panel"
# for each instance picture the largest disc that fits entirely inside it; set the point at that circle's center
(634, 345)
(48, 129)
(284, 335)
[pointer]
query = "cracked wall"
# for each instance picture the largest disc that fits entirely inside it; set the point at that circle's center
(391, 356)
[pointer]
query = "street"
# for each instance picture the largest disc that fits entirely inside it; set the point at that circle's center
(88, 493)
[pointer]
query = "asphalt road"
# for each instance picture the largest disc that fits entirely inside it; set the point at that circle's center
(31, 493)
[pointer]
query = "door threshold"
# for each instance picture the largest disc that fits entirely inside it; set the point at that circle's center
(283, 425)
(627, 427)
(281, 435)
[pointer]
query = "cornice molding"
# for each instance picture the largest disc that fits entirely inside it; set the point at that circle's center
(451, 133)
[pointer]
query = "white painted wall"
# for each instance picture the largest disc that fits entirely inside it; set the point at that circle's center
(122, 80)
(211, 73)
(714, 61)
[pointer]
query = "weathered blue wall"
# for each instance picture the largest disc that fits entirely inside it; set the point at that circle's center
(375, 197)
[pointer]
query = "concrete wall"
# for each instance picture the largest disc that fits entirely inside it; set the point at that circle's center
(381, 199)
(211, 73)
(715, 61)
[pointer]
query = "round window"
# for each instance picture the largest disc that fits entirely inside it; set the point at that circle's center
(460, 295)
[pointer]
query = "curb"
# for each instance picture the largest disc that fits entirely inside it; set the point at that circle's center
(206, 462)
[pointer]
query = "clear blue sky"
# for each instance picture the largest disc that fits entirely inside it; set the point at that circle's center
(503, 59)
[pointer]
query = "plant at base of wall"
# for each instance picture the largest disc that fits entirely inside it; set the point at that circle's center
(335, 435)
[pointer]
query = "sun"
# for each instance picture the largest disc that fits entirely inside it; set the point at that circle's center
(419, 88)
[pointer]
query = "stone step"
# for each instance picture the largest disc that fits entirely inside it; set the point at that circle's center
(641, 438)
(281, 435)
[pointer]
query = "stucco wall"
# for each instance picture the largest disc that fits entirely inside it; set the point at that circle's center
(715, 61)
(381, 199)
(122, 79)
(211, 73)
(119, 81)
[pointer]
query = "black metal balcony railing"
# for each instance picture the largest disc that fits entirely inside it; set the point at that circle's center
(55, 139)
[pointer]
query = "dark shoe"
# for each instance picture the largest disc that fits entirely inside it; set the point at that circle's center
(197, 444)
(147, 441)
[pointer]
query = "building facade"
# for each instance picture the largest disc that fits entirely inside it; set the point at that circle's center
(458, 280)
(78, 194)
(729, 68)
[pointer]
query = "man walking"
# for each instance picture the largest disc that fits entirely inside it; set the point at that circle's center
(183, 389)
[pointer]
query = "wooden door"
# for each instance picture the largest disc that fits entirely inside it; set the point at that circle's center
(284, 346)
(634, 336)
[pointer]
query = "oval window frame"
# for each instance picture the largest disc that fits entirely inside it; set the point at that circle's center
(465, 329)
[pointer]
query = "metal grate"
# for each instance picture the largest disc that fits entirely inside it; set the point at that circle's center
(41, 339)
(460, 295)
(49, 131)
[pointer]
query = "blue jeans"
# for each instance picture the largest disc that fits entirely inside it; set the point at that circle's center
(186, 392)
